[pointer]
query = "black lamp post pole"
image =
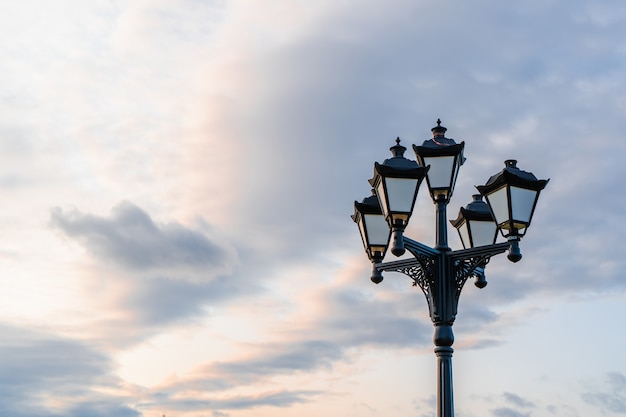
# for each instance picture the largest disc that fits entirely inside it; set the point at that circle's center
(441, 272)
(444, 337)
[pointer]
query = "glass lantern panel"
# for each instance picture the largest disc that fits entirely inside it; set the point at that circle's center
(483, 233)
(499, 204)
(377, 229)
(441, 171)
(522, 201)
(380, 192)
(401, 194)
(362, 230)
(464, 235)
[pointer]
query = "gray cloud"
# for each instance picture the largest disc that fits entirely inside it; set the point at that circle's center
(34, 366)
(284, 398)
(102, 409)
(517, 401)
(164, 272)
(271, 360)
(133, 240)
(613, 399)
(157, 301)
(355, 318)
(350, 121)
(297, 356)
(508, 412)
(352, 320)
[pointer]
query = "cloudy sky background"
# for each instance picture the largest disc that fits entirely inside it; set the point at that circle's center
(177, 178)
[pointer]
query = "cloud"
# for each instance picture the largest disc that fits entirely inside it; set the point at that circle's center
(354, 317)
(299, 354)
(279, 399)
(39, 372)
(332, 328)
(156, 273)
(613, 399)
(158, 301)
(508, 412)
(131, 239)
(306, 355)
(517, 400)
(101, 409)
(267, 120)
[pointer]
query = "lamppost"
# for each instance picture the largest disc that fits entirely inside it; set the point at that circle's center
(511, 196)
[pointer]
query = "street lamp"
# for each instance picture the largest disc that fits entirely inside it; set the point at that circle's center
(445, 157)
(476, 227)
(374, 231)
(396, 182)
(511, 197)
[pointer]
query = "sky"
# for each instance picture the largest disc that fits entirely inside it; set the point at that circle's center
(177, 179)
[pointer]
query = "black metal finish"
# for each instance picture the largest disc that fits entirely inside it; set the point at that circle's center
(441, 275)
(441, 272)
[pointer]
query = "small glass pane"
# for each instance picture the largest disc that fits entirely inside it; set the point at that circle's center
(401, 194)
(380, 192)
(362, 230)
(377, 229)
(483, 233)
(522, 201)
(464, 235)
(441, 171)
(498, 202)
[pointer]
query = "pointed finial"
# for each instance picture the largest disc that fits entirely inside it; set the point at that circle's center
(397, 150)
(438, 130)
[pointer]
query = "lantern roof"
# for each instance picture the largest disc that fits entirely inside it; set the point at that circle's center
(477, 209)
(398, 160)
(369, 205)
(439, 145)
(512, 175)
(398, 166)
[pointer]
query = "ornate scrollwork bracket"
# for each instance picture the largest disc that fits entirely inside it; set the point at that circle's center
(425, 269)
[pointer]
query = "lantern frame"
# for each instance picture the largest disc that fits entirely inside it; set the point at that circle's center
(471, 223)
(445, 157)
(396, 182)
(512, 196)
(369, 218)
